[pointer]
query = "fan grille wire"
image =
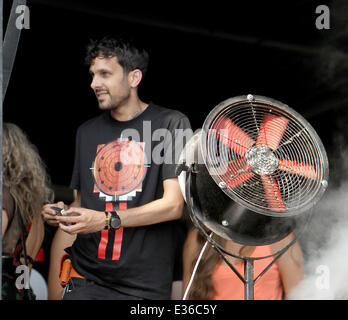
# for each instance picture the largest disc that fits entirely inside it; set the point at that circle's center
(292, 170)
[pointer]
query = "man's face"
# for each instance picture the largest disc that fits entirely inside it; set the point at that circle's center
(109, 82)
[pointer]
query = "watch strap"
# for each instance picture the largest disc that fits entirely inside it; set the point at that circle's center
(114, 214)
(107, 220)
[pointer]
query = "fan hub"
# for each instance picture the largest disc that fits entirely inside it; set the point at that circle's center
(261, 159)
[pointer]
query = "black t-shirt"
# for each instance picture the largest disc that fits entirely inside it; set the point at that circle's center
(122, 165)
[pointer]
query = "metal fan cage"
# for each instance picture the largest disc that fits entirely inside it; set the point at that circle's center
(290, 158)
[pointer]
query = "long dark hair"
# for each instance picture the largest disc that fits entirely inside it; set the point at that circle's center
(202, 287)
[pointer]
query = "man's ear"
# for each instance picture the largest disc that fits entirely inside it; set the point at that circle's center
(134, 78)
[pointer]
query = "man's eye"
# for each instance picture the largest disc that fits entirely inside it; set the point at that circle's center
(106, 74)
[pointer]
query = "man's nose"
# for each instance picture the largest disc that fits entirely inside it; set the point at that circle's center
(95, 84)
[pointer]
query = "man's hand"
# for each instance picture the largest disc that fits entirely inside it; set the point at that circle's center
(50, 215)
(81, 220)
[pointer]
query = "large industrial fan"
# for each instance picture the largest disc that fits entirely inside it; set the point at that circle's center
(252, 175)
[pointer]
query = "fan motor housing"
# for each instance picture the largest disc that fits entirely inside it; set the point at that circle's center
(227, 218)
(257, 170)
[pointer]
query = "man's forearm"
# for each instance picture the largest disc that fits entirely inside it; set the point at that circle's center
(169, 207)
(77, 200)
(151, 213)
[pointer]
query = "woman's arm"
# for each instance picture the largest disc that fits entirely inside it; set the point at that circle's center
(189, 254)
(4, 222)
(290, 264)
(60, 241)
(35, 238)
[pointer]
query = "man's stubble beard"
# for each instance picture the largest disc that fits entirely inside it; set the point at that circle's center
(114, 103)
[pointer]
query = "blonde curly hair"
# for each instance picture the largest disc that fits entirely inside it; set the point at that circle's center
(24, 173)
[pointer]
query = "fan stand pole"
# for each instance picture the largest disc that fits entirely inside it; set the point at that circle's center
(249, 279)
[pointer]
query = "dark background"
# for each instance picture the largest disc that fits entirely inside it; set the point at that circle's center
(200, 55)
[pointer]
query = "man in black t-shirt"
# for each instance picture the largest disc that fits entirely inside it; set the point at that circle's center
(121, 232)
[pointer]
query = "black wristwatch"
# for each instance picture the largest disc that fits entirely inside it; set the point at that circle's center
(115, 221)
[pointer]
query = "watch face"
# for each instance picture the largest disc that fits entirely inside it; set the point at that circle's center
(115, 222)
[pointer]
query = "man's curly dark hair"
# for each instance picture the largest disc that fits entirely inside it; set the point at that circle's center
(129, 55)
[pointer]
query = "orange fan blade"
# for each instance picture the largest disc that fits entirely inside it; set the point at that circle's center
(233, 136)
(271, 131)
(273, 196)
(235, 182)
(237, 172)
(294, 167)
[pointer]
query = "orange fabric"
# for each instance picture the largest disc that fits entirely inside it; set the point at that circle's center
(229, 287)
(66, 271)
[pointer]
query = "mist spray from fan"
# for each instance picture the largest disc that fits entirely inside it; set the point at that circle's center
(326, 246)
(326, 243)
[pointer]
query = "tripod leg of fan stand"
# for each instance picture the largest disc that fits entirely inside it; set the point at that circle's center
(249, 279)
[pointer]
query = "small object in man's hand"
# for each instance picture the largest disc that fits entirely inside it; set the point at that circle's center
(60, 211)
